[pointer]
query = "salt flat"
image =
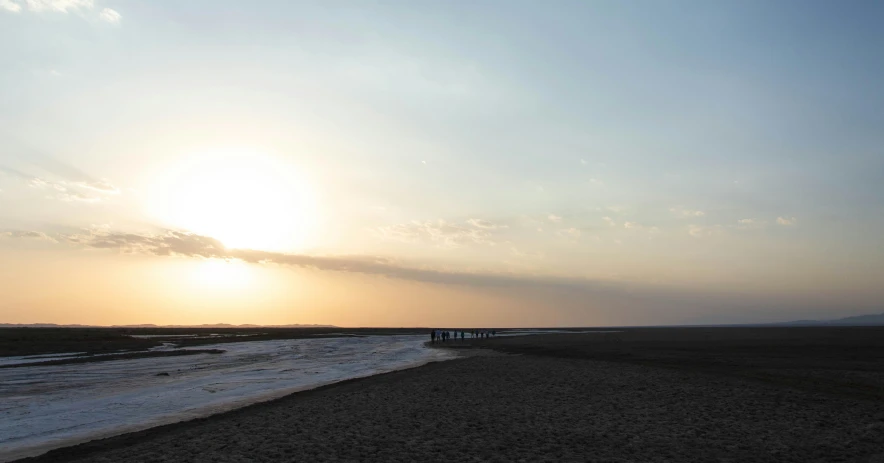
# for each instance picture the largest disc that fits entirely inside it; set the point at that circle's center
(45, 407)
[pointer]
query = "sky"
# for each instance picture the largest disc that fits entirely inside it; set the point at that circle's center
(426, 163)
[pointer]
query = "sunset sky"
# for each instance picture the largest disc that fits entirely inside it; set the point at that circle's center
(440, 163)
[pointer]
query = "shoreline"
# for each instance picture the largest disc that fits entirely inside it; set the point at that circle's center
(74, 448)
(557, 398)
(281, 381)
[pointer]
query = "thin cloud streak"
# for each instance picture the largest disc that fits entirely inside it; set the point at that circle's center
(443, 233)
(25, 234)
(612, 300)
(185, 244)
(77, 186)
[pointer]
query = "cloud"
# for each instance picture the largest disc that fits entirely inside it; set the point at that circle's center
(609, 221)
(10, 5)
(61, 6)
(527, 255)
(700, 231)
(78, 197)
(89, 190)
(101, 186)
(570, 232)
(750, 223)
(620, 298)
(107, 15)
(185, 244)
(179, 243)
(37, 235)
(639, 227)
(110, 16)
(484, 224)
(443, 233)
(596, 182)
(686, 213)
(167, 243)
(40, 183)
(787, 221)
(554, 218)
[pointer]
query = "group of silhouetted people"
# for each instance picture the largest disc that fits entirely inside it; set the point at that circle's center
(444, 335)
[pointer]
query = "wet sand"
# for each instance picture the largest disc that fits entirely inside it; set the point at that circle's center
(646, 400)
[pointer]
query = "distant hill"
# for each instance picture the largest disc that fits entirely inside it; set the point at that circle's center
(859, 320)
(215, 325)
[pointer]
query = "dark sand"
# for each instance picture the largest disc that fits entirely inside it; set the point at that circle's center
(637, 396)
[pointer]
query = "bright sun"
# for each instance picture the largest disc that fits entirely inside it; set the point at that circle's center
(242, 198)
(217, 274)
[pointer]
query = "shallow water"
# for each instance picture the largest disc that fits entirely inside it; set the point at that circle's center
(53, 406)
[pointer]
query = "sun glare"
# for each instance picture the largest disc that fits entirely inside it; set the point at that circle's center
(222, 274)
(244, 199)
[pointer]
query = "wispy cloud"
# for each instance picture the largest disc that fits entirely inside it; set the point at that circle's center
(107, 15)
(604, 296)
(787, 221)
(85, 190)
(527, 255)
(701, 231)
(61, 6)
(570, 232)
(37, 235)
(89, 192)
(609, 221)
(76, 196)
(185, 244)
(750, 223)
(686, 213)
(485, 224)
(10, 5)
(443, 233)
(40, 183)
(178, 243)
(639, 227)
(554, 218)
(101, 186)
(167, 243)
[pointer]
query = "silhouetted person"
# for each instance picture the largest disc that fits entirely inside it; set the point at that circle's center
(433, 336)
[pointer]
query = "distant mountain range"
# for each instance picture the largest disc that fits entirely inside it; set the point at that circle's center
(859, 320)
(214, 325)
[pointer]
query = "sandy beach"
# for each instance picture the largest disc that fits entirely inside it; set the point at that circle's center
(541, 407)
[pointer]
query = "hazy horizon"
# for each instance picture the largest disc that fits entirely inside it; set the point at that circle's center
(416, 163)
